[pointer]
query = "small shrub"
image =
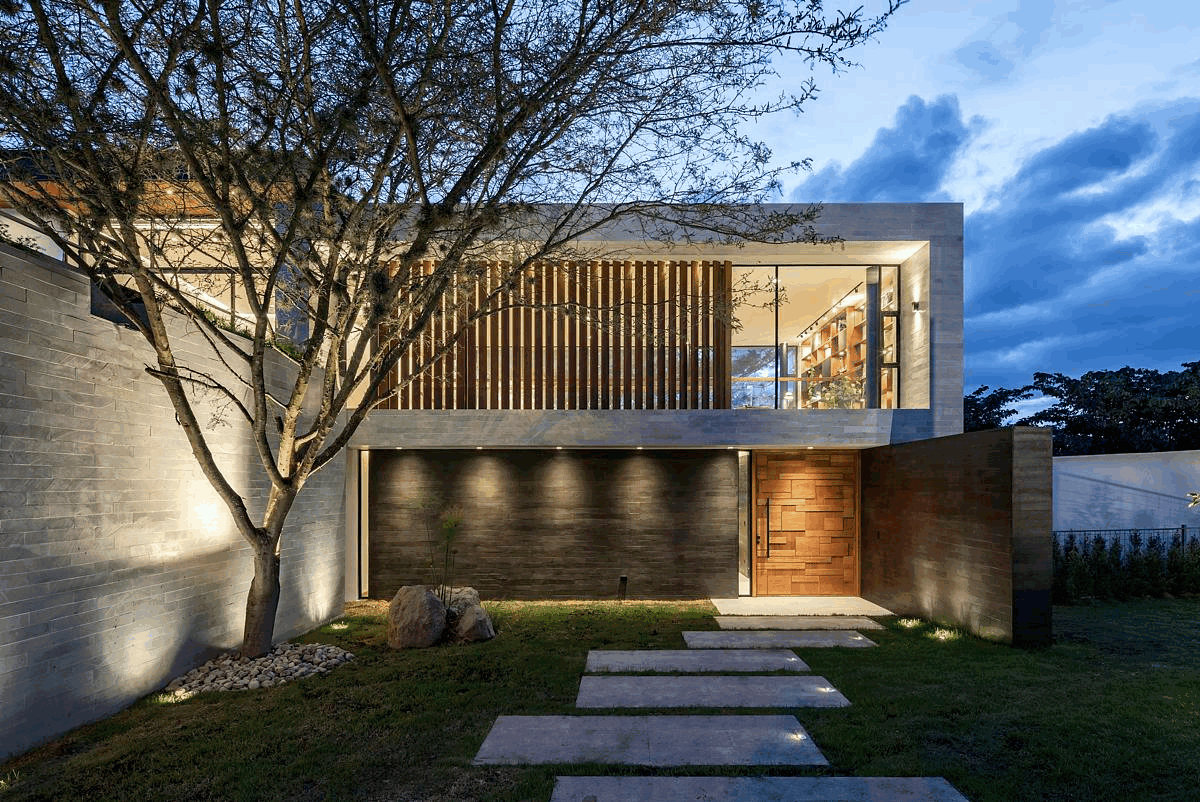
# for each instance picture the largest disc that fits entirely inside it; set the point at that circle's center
(1191, 565)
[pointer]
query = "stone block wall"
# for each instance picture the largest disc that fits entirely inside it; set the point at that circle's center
(561, 524)
(958, 529)
(119, 567)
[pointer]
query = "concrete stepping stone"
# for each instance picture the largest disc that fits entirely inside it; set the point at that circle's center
(796, 622)
(721, 691)
(798, 605)
(754, 789)
(694, 661)
(650, 741)
(775, 639)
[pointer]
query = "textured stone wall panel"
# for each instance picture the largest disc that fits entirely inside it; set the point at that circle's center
(560, 524)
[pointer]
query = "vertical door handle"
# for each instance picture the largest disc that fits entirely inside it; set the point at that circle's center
(768, 527)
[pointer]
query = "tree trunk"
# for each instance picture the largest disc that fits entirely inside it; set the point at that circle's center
(262, 603)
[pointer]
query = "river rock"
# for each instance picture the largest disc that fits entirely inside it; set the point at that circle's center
(416, 618)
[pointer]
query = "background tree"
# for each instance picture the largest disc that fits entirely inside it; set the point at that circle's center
(1120, 411)
(358, 161)
(990, 411)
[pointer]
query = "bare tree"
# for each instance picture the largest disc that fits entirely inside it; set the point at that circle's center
(353, 162)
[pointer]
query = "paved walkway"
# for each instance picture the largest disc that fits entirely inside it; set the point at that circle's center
(650, 741)
(795, 622)
(754, 789)
(779, 692)
(798, 605)
(705, 675)
(694, 661)
(774, 639)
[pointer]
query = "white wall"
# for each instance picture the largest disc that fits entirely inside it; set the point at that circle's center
(1126, 491)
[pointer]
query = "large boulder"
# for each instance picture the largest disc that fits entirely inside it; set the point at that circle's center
(473, 625)
(416, 618)
(459, 599)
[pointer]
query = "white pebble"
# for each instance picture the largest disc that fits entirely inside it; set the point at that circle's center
(284, 663)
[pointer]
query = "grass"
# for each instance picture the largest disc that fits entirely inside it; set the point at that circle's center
(1111, 711)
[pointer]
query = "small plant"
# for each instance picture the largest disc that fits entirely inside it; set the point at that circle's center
(450, 520)
(842, 392)
(441, 529)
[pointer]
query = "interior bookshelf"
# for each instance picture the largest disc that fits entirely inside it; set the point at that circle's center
(835, 344)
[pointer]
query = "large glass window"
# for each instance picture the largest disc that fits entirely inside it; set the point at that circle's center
(804, 337)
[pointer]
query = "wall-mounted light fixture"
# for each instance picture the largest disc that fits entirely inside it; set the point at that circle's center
(916, 306)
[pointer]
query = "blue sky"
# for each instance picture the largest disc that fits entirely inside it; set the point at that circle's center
(1071, 134)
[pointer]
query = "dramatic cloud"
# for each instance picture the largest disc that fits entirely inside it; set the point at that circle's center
(1060, 278)
(904, 164)
(1085, 257)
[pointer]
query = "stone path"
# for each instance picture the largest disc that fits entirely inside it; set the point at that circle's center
(693, 661)
(704, 676)
(650, 741)
(720, 691)
(754, 789)
(774, 639)
(795, 622)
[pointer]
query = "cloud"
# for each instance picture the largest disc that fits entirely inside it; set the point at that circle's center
(985, 60)
(1088, 257)
(905, 163)
(989, 53)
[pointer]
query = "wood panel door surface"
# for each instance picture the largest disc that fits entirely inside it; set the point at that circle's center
(807, 545)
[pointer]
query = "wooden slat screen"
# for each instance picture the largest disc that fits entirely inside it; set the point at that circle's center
(584, 335)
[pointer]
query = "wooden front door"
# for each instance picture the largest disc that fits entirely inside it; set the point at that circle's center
(807, 545)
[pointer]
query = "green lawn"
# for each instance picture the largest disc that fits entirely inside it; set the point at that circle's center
(1111, 712)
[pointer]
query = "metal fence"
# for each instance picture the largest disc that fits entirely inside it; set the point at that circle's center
(1126, 537)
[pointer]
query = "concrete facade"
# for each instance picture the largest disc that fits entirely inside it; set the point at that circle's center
(1126, 491)
(119, 566)
(958, 529)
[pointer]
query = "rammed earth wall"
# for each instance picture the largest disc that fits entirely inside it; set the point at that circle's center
(957, 529)
(119, 566)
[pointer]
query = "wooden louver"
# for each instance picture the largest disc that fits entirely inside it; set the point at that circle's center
(586, 335)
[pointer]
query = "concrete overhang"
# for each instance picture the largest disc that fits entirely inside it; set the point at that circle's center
(627, 429)
(857, 253)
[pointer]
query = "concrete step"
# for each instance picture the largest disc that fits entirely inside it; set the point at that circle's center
(798, 605)
(796, 622)
(712, 691)
(692, 661)
(650, 741)
(776, 639)
(754, 789)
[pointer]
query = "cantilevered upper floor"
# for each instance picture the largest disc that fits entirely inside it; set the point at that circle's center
(706, 344)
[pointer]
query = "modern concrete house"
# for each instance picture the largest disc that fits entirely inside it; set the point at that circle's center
(809, 452)
(815, 450)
